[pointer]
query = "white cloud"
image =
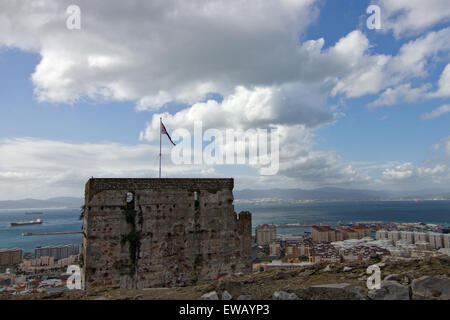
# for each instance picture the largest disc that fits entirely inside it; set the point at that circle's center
(422, 177)
(443, 144)
(436, 112)
(414, 56)
(157, 52)
(408, 17)
(446, 143)
(401, 93)
(153, 53)
(400, 172)
(412, 62)
(444, 84)
(373, 73)
(244, 109)
(303, 166)
(363, 71)
(47, 168)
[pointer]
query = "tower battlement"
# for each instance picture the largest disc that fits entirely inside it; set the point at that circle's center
(141, 233)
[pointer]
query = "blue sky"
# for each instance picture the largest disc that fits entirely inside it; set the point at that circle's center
(22, 116)
(81, 103)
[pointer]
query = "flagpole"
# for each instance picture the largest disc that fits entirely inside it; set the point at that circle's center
(160, 121)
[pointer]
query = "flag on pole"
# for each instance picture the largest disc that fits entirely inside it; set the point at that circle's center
(164, 131)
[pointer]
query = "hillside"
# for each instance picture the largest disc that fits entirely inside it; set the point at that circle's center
(407, 279)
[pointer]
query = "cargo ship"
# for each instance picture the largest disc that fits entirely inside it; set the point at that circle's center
(32, 213)
(26, 223)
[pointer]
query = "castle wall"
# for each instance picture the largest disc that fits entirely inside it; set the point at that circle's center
(173, 232)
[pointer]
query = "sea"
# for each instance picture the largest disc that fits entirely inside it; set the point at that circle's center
(290, 217)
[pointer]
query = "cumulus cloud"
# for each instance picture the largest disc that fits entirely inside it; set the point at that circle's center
(347, 68)
(409, 17)
(47, 168)
(244, 109)
(444, 84)
(300, 162)
(423, 176)
(319, 168)
(401, 93)
(443, 144)
(436, 112)
(415, 55)
(374, 73)
(158, 51)
(404, 92)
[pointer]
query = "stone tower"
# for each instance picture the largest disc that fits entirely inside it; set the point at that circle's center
(140, 233)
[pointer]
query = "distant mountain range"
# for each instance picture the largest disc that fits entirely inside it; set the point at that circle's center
(328, 194)
(321, 194)
(339, 194)
(60, 202)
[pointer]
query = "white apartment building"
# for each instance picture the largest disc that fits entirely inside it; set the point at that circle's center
(401, 238)
(381, 235)
(265, 234)
(446, 240)
(436, 240)
(420, 237)
(394, 236)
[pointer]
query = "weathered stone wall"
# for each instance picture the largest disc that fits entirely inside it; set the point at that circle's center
(173, 232)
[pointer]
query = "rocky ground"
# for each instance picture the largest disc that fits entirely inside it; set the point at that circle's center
(402, 280)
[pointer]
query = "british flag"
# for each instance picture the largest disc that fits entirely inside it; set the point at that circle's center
(164, 131)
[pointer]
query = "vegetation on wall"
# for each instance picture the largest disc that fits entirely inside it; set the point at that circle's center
(83, 207)
(133, 238)
(81, 260)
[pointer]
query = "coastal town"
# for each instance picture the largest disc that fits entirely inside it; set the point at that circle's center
(45, 270)
(348, 243)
